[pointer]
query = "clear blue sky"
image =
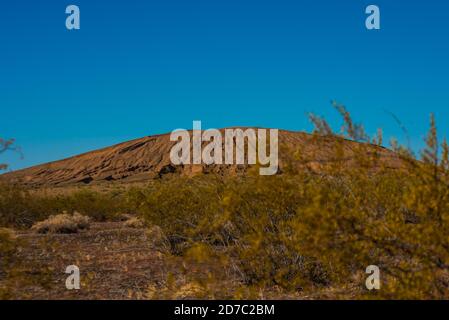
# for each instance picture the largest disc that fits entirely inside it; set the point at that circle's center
(138, 68)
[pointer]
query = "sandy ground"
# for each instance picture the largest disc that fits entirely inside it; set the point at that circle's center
(118, 262)
(115, 262)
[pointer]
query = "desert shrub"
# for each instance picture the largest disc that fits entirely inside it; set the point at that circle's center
(307, 229)
(258, 212)
(17, 273)
(246, 217)
(396, 219)
(158, 239)
(8, 248)
(321, 226)
(18, 208)
(100, 206)
(21, 208)
(62, 223)
(180, 207)
(134, 222)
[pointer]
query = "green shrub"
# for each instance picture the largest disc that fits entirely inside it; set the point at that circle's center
(181, 207)
(21, 208)
(319, 227)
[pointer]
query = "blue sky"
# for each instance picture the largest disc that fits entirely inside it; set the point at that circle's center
(138, 68)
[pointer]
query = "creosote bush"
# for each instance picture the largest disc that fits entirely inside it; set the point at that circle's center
(306, 230)
(322, 226)
(21, 208)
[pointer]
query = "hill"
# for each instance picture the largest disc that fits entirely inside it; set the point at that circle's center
(149, 158)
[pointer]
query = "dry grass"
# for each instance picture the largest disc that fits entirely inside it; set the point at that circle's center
(134, 222)
(157, 239)
(63, 223)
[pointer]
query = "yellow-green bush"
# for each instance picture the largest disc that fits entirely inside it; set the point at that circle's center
(180, 206)
(21, 208)
(301, 231)
(320, 228)
(8, 248)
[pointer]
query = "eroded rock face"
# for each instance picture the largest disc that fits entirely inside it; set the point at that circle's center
(149, 158)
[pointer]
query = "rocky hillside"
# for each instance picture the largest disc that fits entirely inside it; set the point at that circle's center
(149, 158)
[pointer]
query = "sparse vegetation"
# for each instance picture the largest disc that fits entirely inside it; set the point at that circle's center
(157, 239)
(8, 247)
(308, 232)
(321, 227)
(21, 208)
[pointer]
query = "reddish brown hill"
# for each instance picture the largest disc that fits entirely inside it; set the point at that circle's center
(149, 158)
